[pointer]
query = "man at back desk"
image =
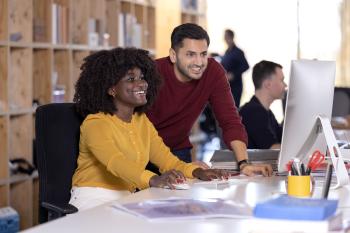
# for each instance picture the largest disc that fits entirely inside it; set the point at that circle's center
(190, 81)
(263, 130)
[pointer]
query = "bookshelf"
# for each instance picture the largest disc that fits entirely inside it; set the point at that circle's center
(194, 11)
(168, 16)
(42, 45)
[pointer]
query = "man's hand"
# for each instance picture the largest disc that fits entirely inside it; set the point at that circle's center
(251, 170)
(209, 174)
(167, 179)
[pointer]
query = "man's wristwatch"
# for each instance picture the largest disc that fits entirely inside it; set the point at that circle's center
(241, 164)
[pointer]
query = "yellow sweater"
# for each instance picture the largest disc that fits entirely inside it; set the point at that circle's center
(113, 154)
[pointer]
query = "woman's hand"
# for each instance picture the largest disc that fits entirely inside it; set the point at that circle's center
(167, 179)
(201, 164)
(209, 174)
(251, 170)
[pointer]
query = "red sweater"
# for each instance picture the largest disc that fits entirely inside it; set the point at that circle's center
(179, 104)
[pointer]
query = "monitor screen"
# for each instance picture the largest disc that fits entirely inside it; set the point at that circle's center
(310, 93)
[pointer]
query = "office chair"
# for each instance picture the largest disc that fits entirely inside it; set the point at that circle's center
(57, 128)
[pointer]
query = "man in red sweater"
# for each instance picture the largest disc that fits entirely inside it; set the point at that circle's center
(190, 81)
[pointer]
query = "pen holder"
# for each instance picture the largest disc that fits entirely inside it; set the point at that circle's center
(300, 186)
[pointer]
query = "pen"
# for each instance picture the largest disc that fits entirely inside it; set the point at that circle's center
(297, 163)
(328, 179)
(302, 168)
(308, 171)
(294, 170)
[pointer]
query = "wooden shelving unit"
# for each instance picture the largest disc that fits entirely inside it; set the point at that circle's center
(169, 15)
(42, 45)
(194, 11)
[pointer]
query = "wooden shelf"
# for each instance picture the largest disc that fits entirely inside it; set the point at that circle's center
(42, 75)
(193, 12)
(4, 181)
(3, 78)
(42, 46)
(22, 177)
(4, 197)
(21, 137)
(4, 173)
(22, 111)
(21, 199)
(38, 45)
(3, 21)
(3, 43)
(20, 20)
(18, 178)
(190, 12)
(20, 96)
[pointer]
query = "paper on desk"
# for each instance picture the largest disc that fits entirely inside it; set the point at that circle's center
(176, 208)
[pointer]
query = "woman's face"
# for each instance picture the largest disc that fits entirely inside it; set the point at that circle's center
(131, 90)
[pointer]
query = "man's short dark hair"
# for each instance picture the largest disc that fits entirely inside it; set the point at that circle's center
(230, 33)
(262, 71)
(187, 31)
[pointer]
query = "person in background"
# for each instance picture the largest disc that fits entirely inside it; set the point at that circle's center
(117, 140)
(235, 65)
(263, 130)
(191, 80)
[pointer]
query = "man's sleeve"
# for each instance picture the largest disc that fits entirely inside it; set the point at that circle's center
(161, 156)
(225, 111)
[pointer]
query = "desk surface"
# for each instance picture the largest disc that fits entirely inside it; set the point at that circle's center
(243, 189)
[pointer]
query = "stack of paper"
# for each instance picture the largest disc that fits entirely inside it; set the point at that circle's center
(225, 159)
(174, 208)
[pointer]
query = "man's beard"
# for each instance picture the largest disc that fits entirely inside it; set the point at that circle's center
(184, 72)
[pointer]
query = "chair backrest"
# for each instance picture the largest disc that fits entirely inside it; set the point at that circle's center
(57, 128)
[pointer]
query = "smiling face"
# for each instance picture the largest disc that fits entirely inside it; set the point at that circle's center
(131, 90)
(190, 60)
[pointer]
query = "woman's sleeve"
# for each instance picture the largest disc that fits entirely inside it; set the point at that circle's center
(161, 156)
(98, 137)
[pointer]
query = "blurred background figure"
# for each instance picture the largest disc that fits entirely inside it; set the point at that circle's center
(264, 132)
(235, 65)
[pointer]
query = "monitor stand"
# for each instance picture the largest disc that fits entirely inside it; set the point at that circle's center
(323, 125)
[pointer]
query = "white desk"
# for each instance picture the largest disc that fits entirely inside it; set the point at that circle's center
(248, 190)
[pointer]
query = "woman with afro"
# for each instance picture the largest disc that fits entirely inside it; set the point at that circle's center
(117, 140)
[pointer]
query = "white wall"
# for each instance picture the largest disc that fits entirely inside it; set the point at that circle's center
(268, 30)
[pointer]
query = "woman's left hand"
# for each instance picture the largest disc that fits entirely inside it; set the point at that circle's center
(201, 164)
(209, 174)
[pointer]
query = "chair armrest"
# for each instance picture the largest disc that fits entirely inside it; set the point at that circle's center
(59, 210)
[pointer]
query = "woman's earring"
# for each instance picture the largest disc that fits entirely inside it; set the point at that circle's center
(112, 93)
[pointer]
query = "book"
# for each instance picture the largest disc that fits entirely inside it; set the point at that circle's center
(291, 208)
(179, 208)
(263, 225)
(225, 159)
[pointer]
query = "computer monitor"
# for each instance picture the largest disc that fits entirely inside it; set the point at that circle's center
(310, 95)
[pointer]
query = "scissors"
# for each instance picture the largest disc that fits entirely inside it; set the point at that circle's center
(316, 159)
